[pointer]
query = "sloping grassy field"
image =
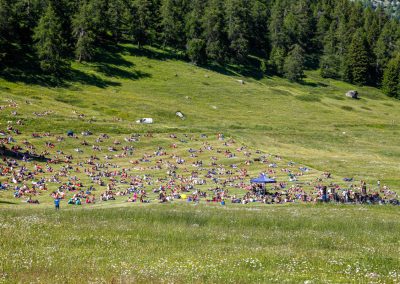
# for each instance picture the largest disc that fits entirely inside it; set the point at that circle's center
(312, 124)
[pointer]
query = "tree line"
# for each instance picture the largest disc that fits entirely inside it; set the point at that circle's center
(345, 39)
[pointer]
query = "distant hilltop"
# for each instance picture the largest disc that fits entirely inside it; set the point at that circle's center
(391, 6)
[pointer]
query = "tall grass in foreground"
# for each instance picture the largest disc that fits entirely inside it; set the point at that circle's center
(203, 243)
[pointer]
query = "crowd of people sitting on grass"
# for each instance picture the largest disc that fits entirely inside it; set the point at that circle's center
(203, 174)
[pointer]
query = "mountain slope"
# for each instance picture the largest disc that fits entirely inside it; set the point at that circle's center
(313, 122)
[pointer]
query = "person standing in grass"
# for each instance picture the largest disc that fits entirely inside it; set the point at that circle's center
(57, 203)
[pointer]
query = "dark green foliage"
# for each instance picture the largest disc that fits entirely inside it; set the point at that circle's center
(346, 39)
(49, 43)
(141, 21)
(330, 66)
(83, 31)
(391, 78)
(214, 31)
(277, 59)
(263, 67)
(294, 64)
(196, 51)
(238, 27)
(359, 60)
(172, 22)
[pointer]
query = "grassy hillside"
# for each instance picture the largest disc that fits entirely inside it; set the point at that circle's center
(292, 125)
(312, 123)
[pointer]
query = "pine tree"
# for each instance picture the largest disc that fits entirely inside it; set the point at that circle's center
(294, 64)
(258, 37)
(299, 24)
(385, 46)
(359, 60)
(237, 23)
(391, 78)
(193, 20)
(277, 59)
(140, 21)
(278, 37)
(214, 31)
(196, 46)
(172, 22)
(83, 32)
(5, 27)
(49, 42)
(330, 61)
(115, 12)
(196, 50)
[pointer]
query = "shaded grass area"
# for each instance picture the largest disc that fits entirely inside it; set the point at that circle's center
(204, 243)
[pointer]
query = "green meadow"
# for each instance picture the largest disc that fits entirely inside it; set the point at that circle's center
(312, 124)
(201, 243)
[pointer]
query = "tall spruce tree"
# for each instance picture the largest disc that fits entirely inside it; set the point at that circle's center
(294, 64)
(359, 60)
(49, 43)
(115, 12)
(5, 27)
(214, 31)
(238, 24)
(386, 46)
(172, 22)
(391, 78)
(143, 23)
(258, 37)
(83, 31)
(278, 37)
(330, 61)
(195, 46)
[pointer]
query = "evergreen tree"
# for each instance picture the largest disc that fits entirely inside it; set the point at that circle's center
(237, 23)
(277, 59)
(172, 22)
(196, 50)
(5, 27)
(193, 26)
(359, 60)
(83, 32)
(278, 37)
(140, 21)
(299, 24)
(385, 46)
(330, 61)
(214, 31)
(196, 46)
(115, 12)
(258, 37)
(294, 64)
(391, 78)
(49, 42)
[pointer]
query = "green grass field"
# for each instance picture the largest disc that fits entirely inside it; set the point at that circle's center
(312, 124)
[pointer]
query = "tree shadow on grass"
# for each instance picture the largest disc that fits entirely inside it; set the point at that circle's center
(313, 84)
(112, 71)
(20, 155)
(111, 55)
(37, 77)
(7, 202)
(106, 61)
(162, 55)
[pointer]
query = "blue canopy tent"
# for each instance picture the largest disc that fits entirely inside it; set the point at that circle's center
(263, 178)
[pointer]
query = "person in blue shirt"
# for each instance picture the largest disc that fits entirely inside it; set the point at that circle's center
(57, 203)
